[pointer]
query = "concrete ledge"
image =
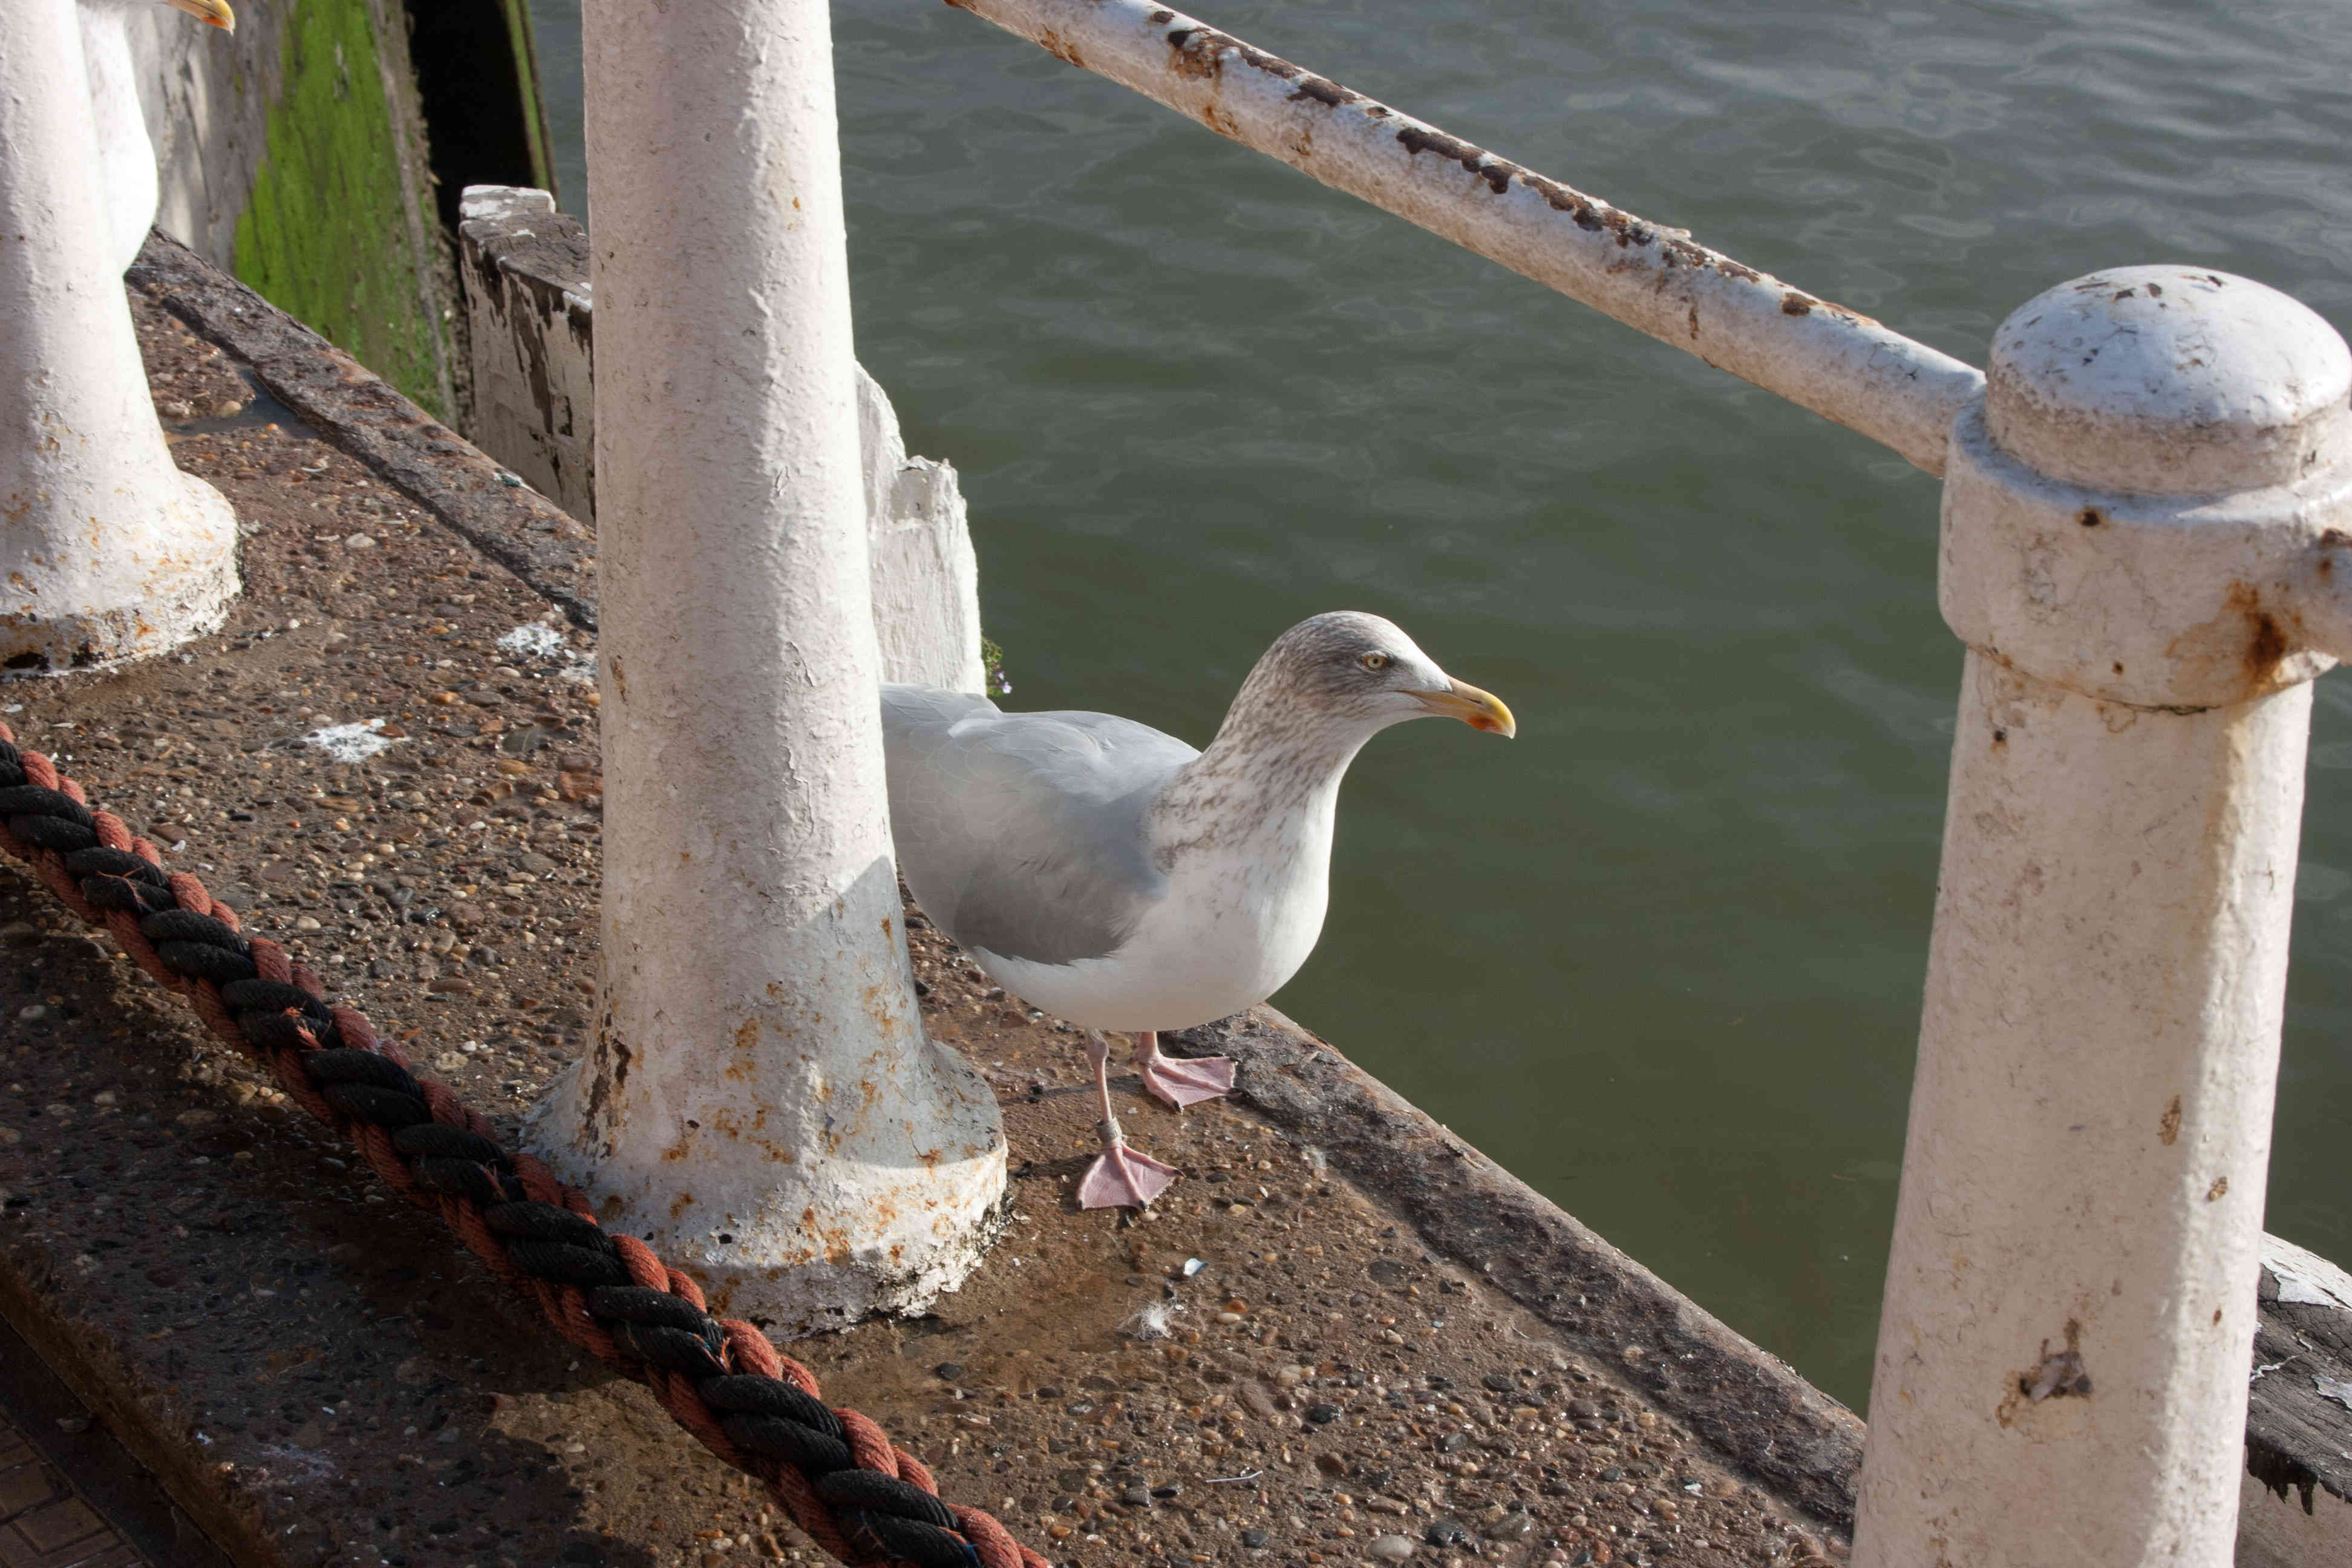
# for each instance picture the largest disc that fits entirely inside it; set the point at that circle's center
(1747, 1404)
(48, 1364)
(60, 1422)
(358, 412)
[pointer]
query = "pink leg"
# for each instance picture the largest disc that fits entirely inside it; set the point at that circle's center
(1181, 1080)
(1120, 1177)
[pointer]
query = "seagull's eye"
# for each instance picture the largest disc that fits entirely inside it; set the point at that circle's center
(1375, 662)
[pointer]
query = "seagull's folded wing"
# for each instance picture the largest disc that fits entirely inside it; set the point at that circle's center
(1026, 834)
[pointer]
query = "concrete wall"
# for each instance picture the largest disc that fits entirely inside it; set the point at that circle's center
(524, 268)
(293, 155)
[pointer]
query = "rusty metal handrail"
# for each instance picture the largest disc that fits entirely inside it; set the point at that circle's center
(1838, 363)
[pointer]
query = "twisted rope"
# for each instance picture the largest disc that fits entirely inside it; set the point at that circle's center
(835, 1472)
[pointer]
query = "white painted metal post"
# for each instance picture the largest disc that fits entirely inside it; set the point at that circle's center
(107, 551)
(2138, 551)
(760, 1098)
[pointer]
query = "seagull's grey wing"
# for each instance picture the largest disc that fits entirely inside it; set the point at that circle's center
(1025, 833)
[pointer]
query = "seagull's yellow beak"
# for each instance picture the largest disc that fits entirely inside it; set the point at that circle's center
(216, 11)
(1479, 709)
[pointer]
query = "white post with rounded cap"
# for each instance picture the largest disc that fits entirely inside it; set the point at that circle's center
(2140, 549)
(759, 1099)
(107, 551)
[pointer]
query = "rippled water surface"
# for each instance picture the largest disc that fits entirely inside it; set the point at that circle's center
(1661, 957)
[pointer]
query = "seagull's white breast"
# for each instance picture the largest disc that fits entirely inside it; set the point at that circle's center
(1238, 920)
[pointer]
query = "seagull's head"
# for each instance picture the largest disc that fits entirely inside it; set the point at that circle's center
(1363, 671)
(212, 13)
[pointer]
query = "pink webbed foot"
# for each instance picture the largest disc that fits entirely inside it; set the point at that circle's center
(1122, 1177)
(1179, 1081)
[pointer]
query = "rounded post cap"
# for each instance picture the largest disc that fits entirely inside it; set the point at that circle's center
(2170, 381)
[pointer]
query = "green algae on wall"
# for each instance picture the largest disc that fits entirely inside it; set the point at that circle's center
(328, 233)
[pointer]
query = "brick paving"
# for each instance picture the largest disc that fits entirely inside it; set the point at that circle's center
(43, 1524)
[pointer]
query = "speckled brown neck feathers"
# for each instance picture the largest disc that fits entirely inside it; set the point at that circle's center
(1292, 729)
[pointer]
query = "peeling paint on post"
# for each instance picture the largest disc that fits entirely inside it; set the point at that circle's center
(524, 268)
(1841, 365)
(2138, 524)
(107, 551)
(760, 1099)
(2295, 1508)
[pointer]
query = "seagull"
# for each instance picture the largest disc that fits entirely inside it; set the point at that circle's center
(126, 157)
(1119, 879)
